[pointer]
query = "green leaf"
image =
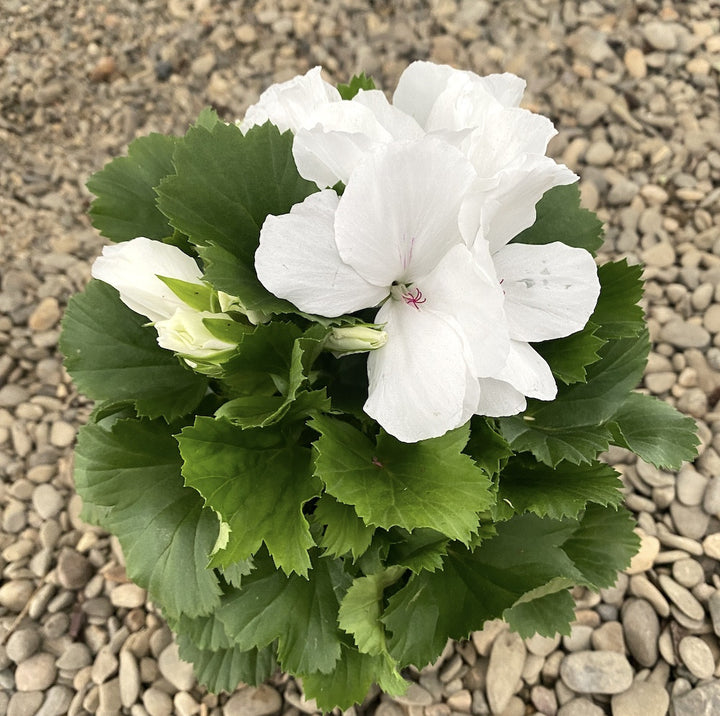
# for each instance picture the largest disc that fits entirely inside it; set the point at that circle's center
(551, 445)
(258, 481)
(207, 118)
(300, 613)
(562, 491)
(357, 83)
(344, 530)
(424, 484)
(234, 573)
(361, 607)
(225, 669)
(655, 431)
(569, 357)
(486, 446)
(126, 204)
(196, 295)
(205, 632)
(112, 355)
(603, 544)
(419, 550)
(524, 557)
(560, 218)
(617, 313)
(133, 470)
(547, 615)
(225, 184)
(350, 681)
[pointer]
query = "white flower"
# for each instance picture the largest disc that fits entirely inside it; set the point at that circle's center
(185, 333)
(393, 237)
(354, 339)
(133, 267)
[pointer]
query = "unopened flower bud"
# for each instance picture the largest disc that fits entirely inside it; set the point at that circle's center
(355, 339)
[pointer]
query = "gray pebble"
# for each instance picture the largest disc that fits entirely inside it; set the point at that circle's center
(104, 666)
(681, 597)
(691, 486)
(57, 700)
(580, 707)
(714, 609)
(507, 659)
(74, 658)
(687, 572)
(579, 638)
(179, 673)
(704, 700)
(24, 703)
(47, 501)
(684, 334)
(74, 570)
(690, 522)
(23, 644)
(609, 637)
(596, 672)
(642, 629)
(36, 673)
(14, 595)
(696, 655)
(643, 697)
(108, 695)
(157, 702)
(129, 678)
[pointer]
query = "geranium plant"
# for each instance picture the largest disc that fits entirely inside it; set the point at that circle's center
(354, 363)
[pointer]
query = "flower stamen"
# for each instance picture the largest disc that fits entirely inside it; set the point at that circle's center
(414, 298)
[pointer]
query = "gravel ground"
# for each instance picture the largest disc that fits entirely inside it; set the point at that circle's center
(633, 89)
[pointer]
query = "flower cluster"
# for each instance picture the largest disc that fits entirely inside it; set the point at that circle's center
(435, 185)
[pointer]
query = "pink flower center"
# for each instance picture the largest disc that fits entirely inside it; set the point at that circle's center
(414, 298)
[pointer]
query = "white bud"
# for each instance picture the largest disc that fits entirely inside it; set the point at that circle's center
(186, 334)
(355, 339)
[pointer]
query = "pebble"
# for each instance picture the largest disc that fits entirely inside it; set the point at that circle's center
(47, 501)
(703, 700)
(711, 546)
(74, 657)
(687, 572)
(104, 666)
(684, 334)
(609, 637)
(681, 597)
(57, 700)
(416, 695)
(635, 63)
(128, 596)
(36, 673)
(179, 673)
(157, 702)
(642, 630)
(696, 655)
(74, 570)
(660, 35)
(507, 659)
(596, 672)
(46, 314)
(691, 486)
(690, 522)
(24, 703)
(15, 595)
(645, 557)
(714, 609)
(23, 644)
(643, 697)
(580, 707)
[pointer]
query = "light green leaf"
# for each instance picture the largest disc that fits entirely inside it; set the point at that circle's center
(357, 83)
(234, 573)
(344, 530)
(424, 484)
(126, 204)
(617, 313)
(560, 218)
(569, 357)
(112, 355)
(562, 491)
(361, 607)
(547, 615)
(199, 296)
(133, 470)
(655, 431)
(258, 481)
(603, 544)
(205, 632)
(350, 681)
(526, 555)
(300, 613)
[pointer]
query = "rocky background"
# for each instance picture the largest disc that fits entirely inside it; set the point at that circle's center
(632, 87)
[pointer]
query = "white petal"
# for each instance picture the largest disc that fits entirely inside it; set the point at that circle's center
(498, 398)
(132, 268)
(398, 215)
(550, 290)
(184, 332)
(502, 211)
(291, 105)
(506, 88)
(472, 297)
(418, 88)
(527, 371)
(418, 379)
(297, 260)
(399, 124)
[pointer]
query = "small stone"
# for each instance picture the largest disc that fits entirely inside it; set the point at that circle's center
(696, 655)
(691, 486)
(14, 595)
(645, 558)
(635, 63)
(687, 572)
(74, 570)
(185, 705)
(104, 69)
(62, 434)
(642, 630)
(660, 36)
(596, 672)
(661, 255)
(128, 596)
(460, 701)
(105, 665)
(179, 673)
(544, 700)
(23, 644)
(109, 697)
(484, 638)
(683, 334)
(24, 703)
(599, 154)
(507, 659)
(690, 522)
(57, 700)
(711, 546)
(157, 702)
(580, 707)
(36, 673)
(203, 65)
(714, 609)
(579, 638)
(245, 34)
(703, 700)
(45, 316)
(416, 695)
(47, 501)
(643, 697)
(681, 597)
(542, 645)
(75, 657)
(609, 637)
(129, 679)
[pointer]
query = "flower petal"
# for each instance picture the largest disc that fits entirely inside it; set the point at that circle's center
(297, 260)
(418, 379)
(498, 398)
(500, 211)
(527, 371)
(291, 105)
(398, 215)
(132, 267)
(418, 88)
(550, 290)
(471, 296)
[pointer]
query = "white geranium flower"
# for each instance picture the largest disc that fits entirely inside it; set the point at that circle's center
(133, 267)
(393, 238)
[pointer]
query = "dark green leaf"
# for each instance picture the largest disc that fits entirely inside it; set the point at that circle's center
(344, 530)
(300, 613)
(133, 470)
(258, 481)
(424, 484)
(617, 313)
(126, 204)
(603, 544)
(486, 446)
(547, 615)
(418, 550)
(569, 357)
(112, 355)
(205, 632)
(655, 431)
(560, 218)
(562, 491)
(357, 83)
